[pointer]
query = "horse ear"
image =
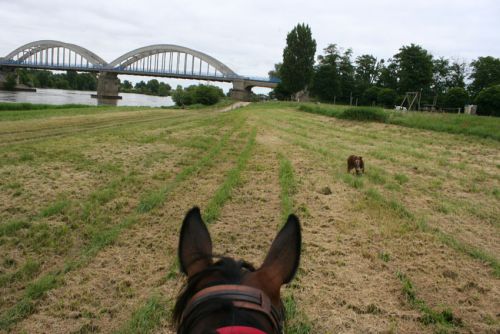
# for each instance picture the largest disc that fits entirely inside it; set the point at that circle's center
(195, 245)
(282, 260)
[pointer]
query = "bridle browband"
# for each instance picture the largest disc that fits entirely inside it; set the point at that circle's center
(242, 297)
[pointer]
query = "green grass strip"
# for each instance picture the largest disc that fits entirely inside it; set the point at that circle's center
(27, 305)
(148, 317)
(470, 125)
(157, 197)
(296, 322)
(402, 212)
(233, 179)
(10, 228)
(467, 249)
(26, 272)
(288, 186)
(444, 319)
(55, 208)
(27, 111)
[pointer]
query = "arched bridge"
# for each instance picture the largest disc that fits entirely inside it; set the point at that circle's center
(162, 60)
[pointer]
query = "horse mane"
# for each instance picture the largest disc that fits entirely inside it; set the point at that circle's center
(225, 271)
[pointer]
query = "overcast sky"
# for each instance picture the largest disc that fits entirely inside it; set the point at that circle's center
(249, 36)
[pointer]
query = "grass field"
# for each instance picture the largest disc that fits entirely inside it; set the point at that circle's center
(91, 202)
(470, 125)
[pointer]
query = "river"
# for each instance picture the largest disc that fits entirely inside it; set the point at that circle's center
(59, 96)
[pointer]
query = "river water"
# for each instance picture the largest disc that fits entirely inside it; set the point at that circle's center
(59, 96)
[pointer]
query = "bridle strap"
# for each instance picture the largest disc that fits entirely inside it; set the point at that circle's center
(241, 296)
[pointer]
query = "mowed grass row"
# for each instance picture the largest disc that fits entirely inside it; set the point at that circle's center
(33, 131)
(408, 154)
(327, 150)
(36, 235)
(27, 111)
(25, 306)
(383, 192)
(378, 180)
(149, 317)
(296, 320)
(400, 142)
(83, 154)
(234, 143)
(395, 205)
(98, 157)
(470, 125)
(405, 151)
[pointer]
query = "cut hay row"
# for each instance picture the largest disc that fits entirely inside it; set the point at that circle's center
(408, 247)
(378, 176)
(211, 211)
(99, 240)
(296, 320)
(312, 142)
(83, 216)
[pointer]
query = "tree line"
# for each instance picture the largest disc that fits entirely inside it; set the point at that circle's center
(48, 79)
(83, 81)
(336, 76)
(152, 87)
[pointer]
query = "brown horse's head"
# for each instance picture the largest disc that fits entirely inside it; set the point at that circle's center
(225, 295)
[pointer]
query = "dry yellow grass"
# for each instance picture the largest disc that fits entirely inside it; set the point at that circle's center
(389, 251)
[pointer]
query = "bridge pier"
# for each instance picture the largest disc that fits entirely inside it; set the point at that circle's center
(241, 91)
(108, 86)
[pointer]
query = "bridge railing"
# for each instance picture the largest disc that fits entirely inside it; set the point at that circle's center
(128, 70)
(27, 63)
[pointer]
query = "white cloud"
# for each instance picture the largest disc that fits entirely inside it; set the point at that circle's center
(249, 36)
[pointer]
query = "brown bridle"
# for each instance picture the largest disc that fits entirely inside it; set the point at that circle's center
(241, 296)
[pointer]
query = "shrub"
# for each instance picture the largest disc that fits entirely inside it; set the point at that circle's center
(201, 94)
(370, 96)
(455, 97)
(386, 97)
(182, 97)
(331, 111)
(365, 114)
(10, 81)
(488, 101)
(207, 95)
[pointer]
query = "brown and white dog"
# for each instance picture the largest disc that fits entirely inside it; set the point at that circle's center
(356, 163)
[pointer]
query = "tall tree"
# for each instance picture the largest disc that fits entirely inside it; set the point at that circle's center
(415, 68)
(458, 73)
(276, 72)
(485, 73)
(298, 59)
(326, 81)
(388, 77)
(346, 72)
(441, 75)
(367, 70)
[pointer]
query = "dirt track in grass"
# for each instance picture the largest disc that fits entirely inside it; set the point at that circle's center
(421, 190)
